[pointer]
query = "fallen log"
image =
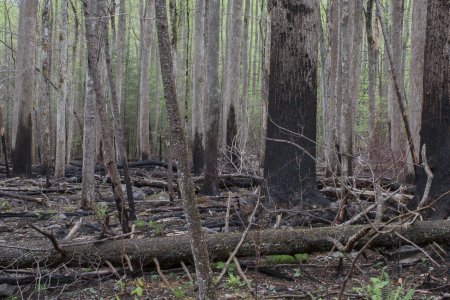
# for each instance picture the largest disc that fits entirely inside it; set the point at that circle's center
(170, 251)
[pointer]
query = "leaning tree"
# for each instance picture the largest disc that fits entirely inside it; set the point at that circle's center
(435, 130)
(290, 165)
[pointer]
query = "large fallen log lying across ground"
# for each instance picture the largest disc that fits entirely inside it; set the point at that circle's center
(170, 251)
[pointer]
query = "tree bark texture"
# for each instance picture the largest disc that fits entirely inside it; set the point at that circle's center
(171, 250)
(435, 130)
(415, 95)
(290, 166)
(44, 100)
(397, 136)
(178, 137)
(231, 89)
(212, 34)
(199, 89)
(243, 115)
(60, 161)
(144, 96)
(24, 89)
(93, 11)
(88, 169)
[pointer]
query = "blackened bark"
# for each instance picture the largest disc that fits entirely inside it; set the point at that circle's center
(178, 137)
(232, 143)
(290, 166)
(435, 130)
(212, 32)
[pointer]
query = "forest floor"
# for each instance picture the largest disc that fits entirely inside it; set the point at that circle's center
(405, 272)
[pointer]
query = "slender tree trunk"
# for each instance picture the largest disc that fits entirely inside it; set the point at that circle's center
(346, 113)
(44, 100)
(88, 170)
(60, 162)
(71, 100)
(397, 139)
(265, 87)
(144, 96)
(198, 91)
(94, 18)
(419, 23)
(212, 32)
(372, 55)
(197, 241)
(122, 27)
(333, 50)
(244, 119)
(24, 88)
(231, 92)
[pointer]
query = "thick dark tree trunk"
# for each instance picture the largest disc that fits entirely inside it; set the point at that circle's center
(290, 166)
(435, 130)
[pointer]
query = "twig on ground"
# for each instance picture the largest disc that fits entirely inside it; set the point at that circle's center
(242, 274)
(111, 267)
(244, 235)
(158, 269)
(183, 265)
(52, 239)
(429, 177)
(74, 229)
(418, 248)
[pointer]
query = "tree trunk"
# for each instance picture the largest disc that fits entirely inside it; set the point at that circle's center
(60, 161)
(71, 101)
(231, 89)
(88, 171)
(415, 95)
(212, 32)
(372, 54)
(290, 166)
(144, 96)
(119, 50)
(24, 89)
(346, 116)
(397, 139)
(93, 11)
(243, 115)
(118, 126)
(171, 250)
(44, 100)
(265, 89)
(198, 246)
(199, 84)
(435, 129)
(330, 122)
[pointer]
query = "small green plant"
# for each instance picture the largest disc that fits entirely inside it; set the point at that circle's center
(382, 288)
(281, 259)
(40, 287)
(138, 289)
(119, 285)
(5, 205)
(301, 257)
(234, 281)
(178, 292)
(220, 265)
(157, 227)
(297, 273)
(139, 223)
(101, 210)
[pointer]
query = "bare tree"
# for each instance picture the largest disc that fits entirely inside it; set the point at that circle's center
(212, 33)
(94, 18)
(435, 130)
(290, 165)
(197, 241)
(415, 95)
(199, 88)
(24, 88)
(44, 100)
(244, 119)
(144, 96)
(60, 162)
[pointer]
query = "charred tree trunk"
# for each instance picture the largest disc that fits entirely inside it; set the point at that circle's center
(290, 165)
(24, 89)
(212, 32)
(435, 130)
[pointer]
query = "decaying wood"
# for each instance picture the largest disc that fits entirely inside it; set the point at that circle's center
(170, 251)
(22, 197)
